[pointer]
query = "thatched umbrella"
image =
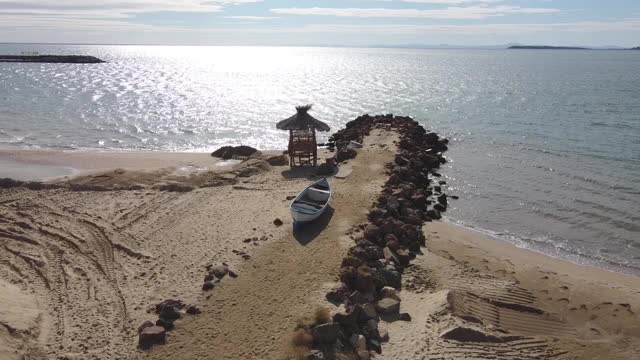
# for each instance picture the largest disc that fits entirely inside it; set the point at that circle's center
(302, 121)
(303, 149)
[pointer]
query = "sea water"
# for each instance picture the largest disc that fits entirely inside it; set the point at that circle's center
(545, 145)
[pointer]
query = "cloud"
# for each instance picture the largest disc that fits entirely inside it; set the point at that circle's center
(251, 17)
(112, 8)
(480, 29)
(470, 12)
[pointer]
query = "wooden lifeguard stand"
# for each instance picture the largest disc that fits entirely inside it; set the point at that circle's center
(303, 148)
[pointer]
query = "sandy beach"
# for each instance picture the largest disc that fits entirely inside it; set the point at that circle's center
(80, 271)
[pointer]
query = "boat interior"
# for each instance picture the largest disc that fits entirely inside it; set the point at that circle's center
(314, 198)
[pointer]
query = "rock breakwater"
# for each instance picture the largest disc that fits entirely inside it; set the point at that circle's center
(371, 274)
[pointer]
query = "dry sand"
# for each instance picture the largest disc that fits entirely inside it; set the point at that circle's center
(79, 270)
(551, 308)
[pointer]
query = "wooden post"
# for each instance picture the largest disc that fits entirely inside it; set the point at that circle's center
(315, 147)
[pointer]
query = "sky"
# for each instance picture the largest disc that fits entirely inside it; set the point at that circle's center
(323, 22)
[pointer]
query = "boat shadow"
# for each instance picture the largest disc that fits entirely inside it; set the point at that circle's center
(304, 234)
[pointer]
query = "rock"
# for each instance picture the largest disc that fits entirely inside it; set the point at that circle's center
(165, 323)
(371, 325)
(338, 293)
(371, 232)
(384, 335)
(348, 275)
(393, 202)
(209, 278)
(229, 152)
(363, 355)
(389, 292)
(404, 256)
(193, 310)
(442, 199)
(315, 355)
(439, 207)
(369, 311)
(144, 325)
(169, 312)
(232, 274)
(150, 336)
(434, 214)
(359, 297)
(247, 240)
(463, 334)
(326, 333)
(277, 222)
(391, 256)
(388, 306)
(326, 168)
(399, 160)
(404, 317)
(359, 342)
(364, 279)
(346, 154)
(391, 277)
(351, 261)
(219, 271)
(291, 197)
(280, 160)
(209, 285)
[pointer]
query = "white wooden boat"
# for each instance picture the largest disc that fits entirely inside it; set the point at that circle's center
(311, 203)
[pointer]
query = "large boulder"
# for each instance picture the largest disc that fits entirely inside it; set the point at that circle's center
(230, 152)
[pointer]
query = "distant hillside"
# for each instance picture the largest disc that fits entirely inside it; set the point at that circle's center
(535, 47)
(635, 48)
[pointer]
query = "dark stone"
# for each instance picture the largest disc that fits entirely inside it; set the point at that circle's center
(144, 325)
(326, 333)
(364, 280)
(404, 317)
(150, 336)
(439, 207)
(193, 310)
(165, 323)
(229, 152)
(434, 214)
(169, 312)
(209, 285)
(371, 232)
(277, 222)
(280, 160)
(391, 277)
(404, 256)
(388, 306)
(219, 271)
(442, 199)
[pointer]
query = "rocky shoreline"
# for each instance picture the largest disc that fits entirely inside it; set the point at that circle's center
(370, 275)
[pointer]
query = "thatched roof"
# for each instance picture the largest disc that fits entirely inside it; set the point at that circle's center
(302, 120)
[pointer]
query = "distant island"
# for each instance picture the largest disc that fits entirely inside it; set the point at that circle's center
(59, 59)
(544, 47)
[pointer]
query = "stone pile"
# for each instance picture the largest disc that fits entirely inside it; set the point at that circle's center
(168, 312)
(371, 273)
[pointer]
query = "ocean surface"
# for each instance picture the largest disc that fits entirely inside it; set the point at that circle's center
(545, 145)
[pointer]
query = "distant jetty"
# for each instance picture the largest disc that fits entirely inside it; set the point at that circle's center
(535, 47)
(57, 59)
